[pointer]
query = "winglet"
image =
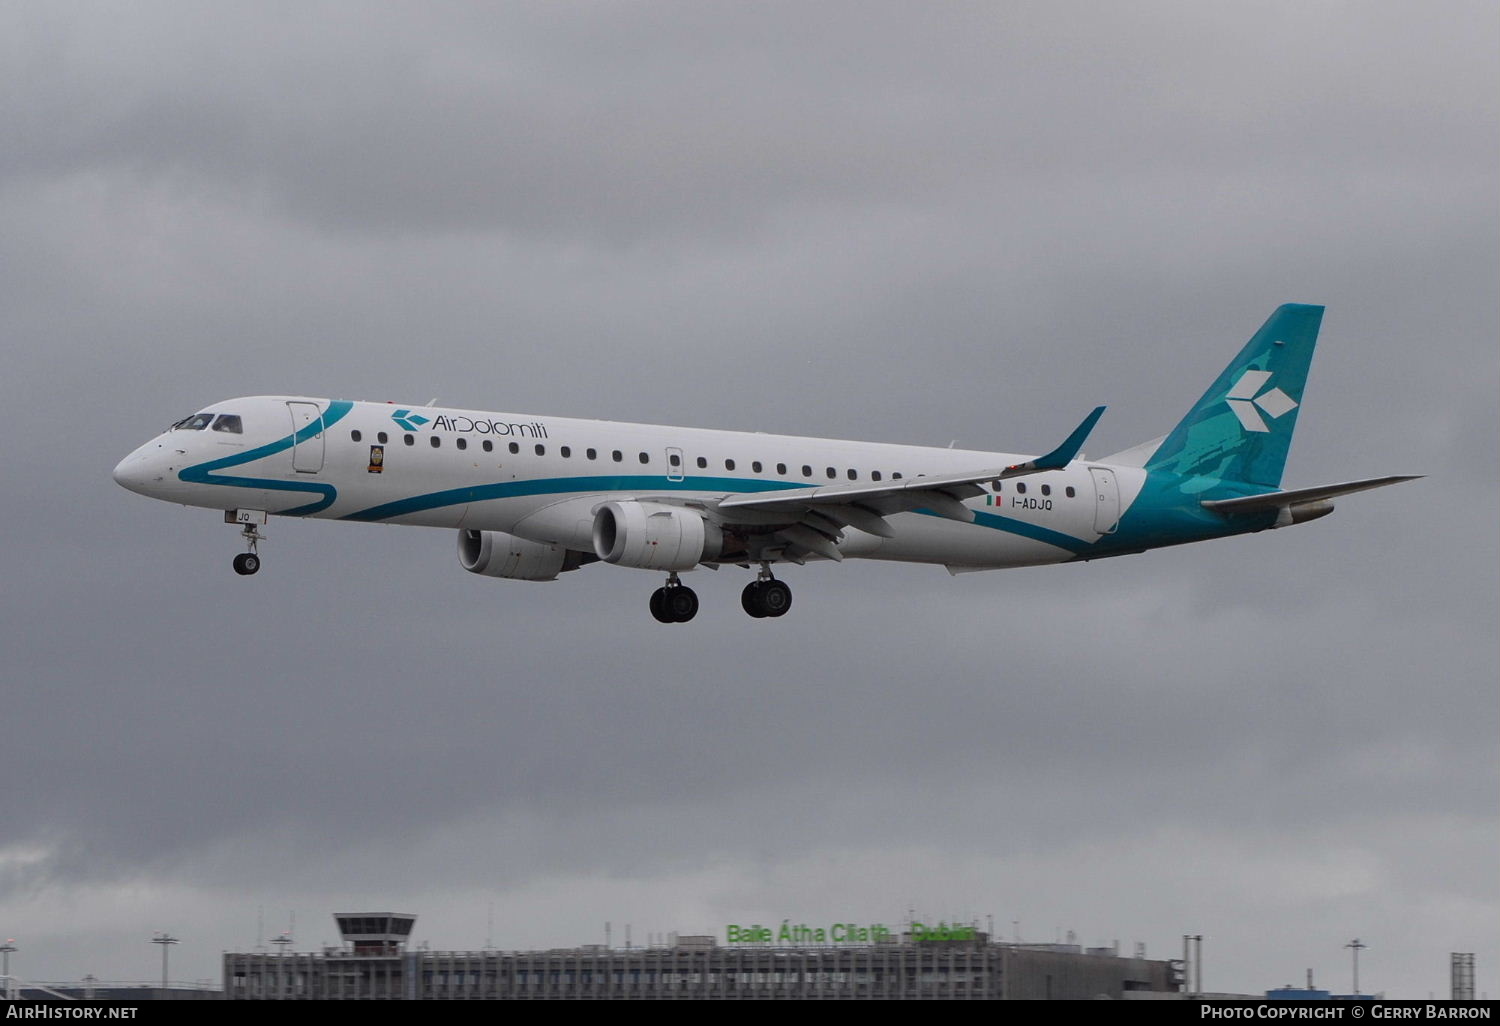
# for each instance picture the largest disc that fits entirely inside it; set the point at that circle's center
(1063, 454)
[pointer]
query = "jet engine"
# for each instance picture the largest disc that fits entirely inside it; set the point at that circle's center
(497, 554)
(654, 536)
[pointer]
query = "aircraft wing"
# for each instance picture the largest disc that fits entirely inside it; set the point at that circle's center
(827, 508)
(1299, 496)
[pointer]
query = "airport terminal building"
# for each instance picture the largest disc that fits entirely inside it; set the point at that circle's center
(375, 963)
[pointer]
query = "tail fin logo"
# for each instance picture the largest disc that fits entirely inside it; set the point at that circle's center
(1243, 400)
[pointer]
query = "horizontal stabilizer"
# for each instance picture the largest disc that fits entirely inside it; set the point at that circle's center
(1298, 496)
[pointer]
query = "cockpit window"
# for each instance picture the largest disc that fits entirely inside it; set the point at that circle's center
(229, 422)
(197, 422)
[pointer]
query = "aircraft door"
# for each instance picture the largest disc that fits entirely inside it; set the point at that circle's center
(1107, 500)
(674, 464)
(307, 437)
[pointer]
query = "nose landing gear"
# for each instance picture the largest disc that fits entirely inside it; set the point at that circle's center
(246, 563)
(674, 603)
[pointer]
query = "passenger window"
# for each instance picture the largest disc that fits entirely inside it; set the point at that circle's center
(515, 447)
(854, 475)
(729, 464)
(230, 423)
(781, 468)
(1020, 487)
(755, 466)
(896, 476)
(409, 440)
(874, 475)
(832, 473)
(541, 450)
(436, 441)
(702, 463)
(592, 454)
(806, 470)
(462, 443)
(380, 437)
(353, 435)
(1069, 492)
(994, 486)
(616, 456)
(645, 458)
(488, 445)
(566, 451)
(674, 459)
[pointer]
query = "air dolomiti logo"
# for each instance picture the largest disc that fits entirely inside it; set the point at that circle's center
(407, 420)
(1243, 400)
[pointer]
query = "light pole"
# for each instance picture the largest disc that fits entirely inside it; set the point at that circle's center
(1356, 946)
(165, 940)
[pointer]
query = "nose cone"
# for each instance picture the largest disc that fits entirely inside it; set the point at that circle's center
(139, 471)
(131, 472)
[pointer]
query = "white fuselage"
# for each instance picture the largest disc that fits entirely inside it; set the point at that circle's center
(542, 478)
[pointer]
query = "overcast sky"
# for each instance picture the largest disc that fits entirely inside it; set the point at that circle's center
(904, 222)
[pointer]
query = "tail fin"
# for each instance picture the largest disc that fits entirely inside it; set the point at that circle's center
(1242, 428)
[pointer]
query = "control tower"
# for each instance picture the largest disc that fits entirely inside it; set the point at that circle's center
(375, 933)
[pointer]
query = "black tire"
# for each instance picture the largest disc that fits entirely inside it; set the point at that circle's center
(775, 598)
(246, 563)
(750, 600)
(682, 603)
(659, 606)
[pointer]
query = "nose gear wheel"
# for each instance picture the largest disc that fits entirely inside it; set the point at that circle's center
(247, 563)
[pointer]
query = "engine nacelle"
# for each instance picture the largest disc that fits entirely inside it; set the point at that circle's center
(654, 536)
(497, 554)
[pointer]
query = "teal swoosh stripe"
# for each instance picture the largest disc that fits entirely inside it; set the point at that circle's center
(205, 473)
(1032, 531)
(559, 485)
(638, 483)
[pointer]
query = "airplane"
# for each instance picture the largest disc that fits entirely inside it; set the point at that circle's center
(534, 497)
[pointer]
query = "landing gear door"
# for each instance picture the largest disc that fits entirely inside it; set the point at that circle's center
(307, 437)
(1106, 500)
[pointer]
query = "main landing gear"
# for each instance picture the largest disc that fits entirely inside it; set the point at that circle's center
(763, 597)
(246, 563)
(675, 603)
(766, 596)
